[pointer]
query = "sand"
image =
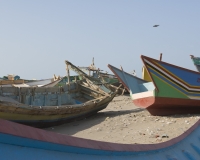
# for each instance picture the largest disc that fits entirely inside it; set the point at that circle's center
(122, 122)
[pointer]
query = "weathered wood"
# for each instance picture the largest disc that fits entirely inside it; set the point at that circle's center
(160, 56)
(68, 73)
(48, 106)
(4, 82)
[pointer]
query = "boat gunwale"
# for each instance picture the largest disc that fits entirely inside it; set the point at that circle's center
(19, 130)
(61, 107)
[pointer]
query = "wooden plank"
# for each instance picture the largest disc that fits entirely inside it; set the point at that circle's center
(9, 90)
(3, 82)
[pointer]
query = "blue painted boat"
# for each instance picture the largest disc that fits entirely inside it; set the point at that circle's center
(130, 81)
(23, 142)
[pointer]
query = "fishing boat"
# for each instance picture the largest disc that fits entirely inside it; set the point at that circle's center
(63, 80)
(55, 81)
(108, 80)
(104, 77)
(196, 61)
(97, 73)
(172, 89)
(10, 82)
(27, 83)
(49, 106)
(18, 142)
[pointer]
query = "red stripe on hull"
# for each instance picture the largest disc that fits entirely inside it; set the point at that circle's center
(161, 106)
(144, 102)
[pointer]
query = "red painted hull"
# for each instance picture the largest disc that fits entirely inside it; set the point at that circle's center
(162, 106)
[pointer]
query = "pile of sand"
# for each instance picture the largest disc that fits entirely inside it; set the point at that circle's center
(122, 122)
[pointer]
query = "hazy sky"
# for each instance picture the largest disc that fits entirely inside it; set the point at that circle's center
(37, 36)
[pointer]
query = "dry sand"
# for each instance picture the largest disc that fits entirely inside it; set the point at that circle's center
(122, 122)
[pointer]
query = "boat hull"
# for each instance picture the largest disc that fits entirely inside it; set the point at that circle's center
(177, 89)
(161, 106)
(66, 119)
(43, 118)
(45, 107)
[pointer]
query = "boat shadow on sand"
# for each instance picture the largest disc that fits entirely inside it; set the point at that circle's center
(81, 125)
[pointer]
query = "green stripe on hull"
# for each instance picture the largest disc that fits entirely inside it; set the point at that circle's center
(110, 80)
(166, 90)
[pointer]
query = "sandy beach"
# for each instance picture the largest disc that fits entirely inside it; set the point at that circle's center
(122, 122)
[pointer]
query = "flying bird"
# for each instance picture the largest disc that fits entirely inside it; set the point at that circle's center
(156, 25)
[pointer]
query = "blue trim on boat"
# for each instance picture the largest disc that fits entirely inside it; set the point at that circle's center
(78, 102)
(23, 142)
(181, 150)
(191, 77)
(174, 85)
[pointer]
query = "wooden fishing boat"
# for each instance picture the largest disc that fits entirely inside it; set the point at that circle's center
(173, 90)
(196, 61)
(23, 142)
(95, 72)
(10, 82)
(108, 80)
(27, 83)
(49, 106)
(64, 80)
(104, 77)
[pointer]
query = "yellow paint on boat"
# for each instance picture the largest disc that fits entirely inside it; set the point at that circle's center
(28, 117)
(22, 117)
(145, 74)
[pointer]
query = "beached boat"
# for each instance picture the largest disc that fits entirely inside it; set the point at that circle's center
(23, 142)
(55, 81)
(104, 77)
(48, 106)
(97, 73)
(109, 80)
(127, 79)
(173, 90)
(27, 83)
(10, 82)
(64, 80)
(196, 61)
